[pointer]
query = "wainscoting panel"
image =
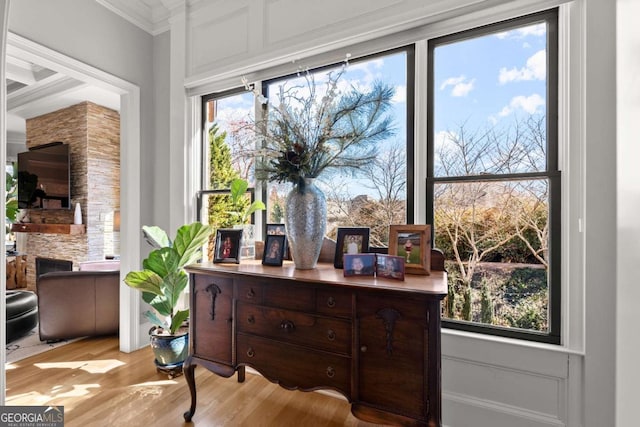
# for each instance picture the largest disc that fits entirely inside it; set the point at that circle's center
(498, 383)
(315, 16)
(216, 35)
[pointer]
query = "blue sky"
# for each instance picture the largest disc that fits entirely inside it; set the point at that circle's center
(486, 81)
(481, 82)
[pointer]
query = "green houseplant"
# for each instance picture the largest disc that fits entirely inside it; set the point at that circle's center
(163, 280)
(241, 210)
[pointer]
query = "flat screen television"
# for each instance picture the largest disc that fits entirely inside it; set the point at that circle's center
(44, 177)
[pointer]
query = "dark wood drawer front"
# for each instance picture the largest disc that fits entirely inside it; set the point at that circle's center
(249, 292)
(294, 327)
(294, 297)
(334, 302)
(305, 369)
(414, 309)
(212, 300)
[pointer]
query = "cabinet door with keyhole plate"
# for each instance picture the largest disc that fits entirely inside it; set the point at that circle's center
(391, 356)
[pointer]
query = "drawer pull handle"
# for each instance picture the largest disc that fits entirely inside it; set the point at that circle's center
(331, 302)
(250, 352)
(363, 349)
(251, 319)
(251, 294)
(331, 335)
(287, 326)
(331, 372)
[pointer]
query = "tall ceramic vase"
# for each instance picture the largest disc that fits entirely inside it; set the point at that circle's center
(306, 221)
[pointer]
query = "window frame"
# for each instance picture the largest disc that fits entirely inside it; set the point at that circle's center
(552, 172)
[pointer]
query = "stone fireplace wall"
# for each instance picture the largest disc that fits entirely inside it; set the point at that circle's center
(93, 135)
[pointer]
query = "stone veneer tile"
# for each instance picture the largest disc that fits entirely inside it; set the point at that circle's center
(93, 135)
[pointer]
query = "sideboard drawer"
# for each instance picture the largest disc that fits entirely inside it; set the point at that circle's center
(295, 327)
(334, 301)
(295, 297)
(249, 292)
(295, 367)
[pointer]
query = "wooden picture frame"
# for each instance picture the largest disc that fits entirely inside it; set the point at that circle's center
(359, 264)
(350, 240)
(227, 247)
(413, 243)
(390, 266)
(275, 247)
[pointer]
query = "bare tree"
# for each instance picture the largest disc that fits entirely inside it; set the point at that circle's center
(387, 178)
(475, 219)
(240, 139)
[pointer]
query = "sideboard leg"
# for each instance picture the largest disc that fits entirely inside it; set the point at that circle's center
(189, 374)
(241, 374)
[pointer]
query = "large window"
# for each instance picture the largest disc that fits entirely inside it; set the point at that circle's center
(493, 176)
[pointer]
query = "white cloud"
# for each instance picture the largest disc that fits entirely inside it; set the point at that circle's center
(400, 95)
(535, 69)
(461, 85)
(463, 89)
(528, 104)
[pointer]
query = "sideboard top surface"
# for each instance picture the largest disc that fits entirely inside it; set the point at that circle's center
(435, 283)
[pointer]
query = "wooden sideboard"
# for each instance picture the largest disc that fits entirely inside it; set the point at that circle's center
(376, 341)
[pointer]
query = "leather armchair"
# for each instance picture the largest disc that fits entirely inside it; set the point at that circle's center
(74, 304)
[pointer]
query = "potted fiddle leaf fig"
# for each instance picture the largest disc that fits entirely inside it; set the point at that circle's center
(162, 281)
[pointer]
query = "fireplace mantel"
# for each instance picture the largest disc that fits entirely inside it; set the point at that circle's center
(49, 228)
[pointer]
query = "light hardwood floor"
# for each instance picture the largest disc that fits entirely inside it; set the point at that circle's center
(100, 386)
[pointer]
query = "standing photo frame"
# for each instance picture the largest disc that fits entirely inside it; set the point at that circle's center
(275, 247)
(413, 243)
(359, 265)
(390, 266)
(350, 240)
(227, 247)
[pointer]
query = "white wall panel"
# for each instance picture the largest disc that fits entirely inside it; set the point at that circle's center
(522, 389)
(218, 39)
(504, 381)
(288, 19)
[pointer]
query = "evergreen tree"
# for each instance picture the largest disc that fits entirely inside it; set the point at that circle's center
(486, 305)
(466, 307)
(277, 213)
(450, 302)
(221, 174)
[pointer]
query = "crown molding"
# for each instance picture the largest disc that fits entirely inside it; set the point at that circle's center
(151, 16)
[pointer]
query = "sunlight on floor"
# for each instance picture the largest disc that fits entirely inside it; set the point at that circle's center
(59, 392)
(90, 366)
(155, 383)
